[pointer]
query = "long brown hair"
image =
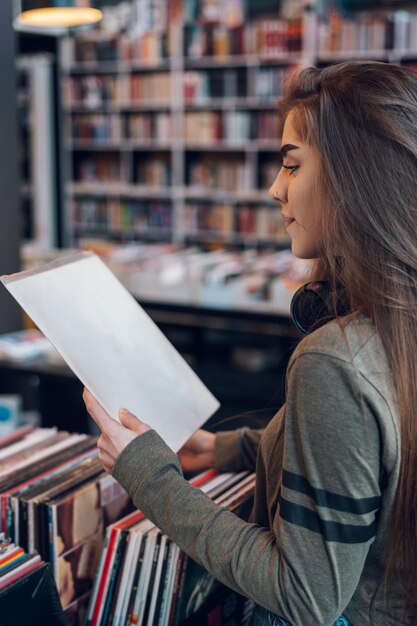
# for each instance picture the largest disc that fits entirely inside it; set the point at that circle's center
(361, 116)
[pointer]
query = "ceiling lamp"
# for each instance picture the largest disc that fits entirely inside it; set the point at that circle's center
(55, 16)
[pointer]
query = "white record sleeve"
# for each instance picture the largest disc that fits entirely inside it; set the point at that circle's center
(112, 345)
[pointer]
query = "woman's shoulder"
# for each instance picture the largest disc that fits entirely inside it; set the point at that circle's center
(351, 338)
(345, 355)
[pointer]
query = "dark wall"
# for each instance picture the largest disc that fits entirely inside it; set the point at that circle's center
(10, 315)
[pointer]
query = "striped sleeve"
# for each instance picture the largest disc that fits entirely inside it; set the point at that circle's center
(330, 493)
(322, 500)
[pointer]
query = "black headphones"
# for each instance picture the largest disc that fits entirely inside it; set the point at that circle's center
(314, 304)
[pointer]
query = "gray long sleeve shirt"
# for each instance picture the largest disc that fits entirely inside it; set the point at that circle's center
(327, 469)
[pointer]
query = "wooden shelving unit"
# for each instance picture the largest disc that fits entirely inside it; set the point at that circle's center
(206, 149)
(169, 114)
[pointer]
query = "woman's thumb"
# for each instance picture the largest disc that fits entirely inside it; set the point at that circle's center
(130, 421)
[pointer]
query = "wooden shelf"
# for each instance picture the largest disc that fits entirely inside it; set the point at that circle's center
(119, 145)
(249, 60)
(117, 107)
(115, 67)
(117, 190)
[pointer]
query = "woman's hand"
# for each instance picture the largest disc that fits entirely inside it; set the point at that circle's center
(197, 454)
(114, 436)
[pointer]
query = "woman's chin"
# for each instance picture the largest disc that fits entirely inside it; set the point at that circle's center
(302, 251)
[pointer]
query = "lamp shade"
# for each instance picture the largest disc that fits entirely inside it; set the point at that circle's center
(55, 16)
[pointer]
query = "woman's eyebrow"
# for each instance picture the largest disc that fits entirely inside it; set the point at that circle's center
(286, 148)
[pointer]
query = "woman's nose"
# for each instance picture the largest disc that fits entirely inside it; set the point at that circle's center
(278, 189)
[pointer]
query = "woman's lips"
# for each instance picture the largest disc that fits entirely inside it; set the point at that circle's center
(288, 220)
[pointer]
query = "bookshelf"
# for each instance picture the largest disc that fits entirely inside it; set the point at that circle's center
(169, 112)
(170, 125)
(384, 31)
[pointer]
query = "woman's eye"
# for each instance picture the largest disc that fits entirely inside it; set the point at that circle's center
(292, 168)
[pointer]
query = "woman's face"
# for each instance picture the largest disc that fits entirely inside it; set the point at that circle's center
(296, 189)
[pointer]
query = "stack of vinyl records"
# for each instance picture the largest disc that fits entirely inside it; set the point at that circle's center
(28, 593)
(15, 562)
(56, 499)
(144, 579)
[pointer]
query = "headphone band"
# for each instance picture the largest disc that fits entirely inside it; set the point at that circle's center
(313, 304)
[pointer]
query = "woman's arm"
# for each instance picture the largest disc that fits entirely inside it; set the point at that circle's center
(236, 450)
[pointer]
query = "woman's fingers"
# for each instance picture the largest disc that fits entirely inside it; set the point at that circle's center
(106, 460)
(94, 408)
(114, 436)
(106, 423)
(112, 444)
(132, 422)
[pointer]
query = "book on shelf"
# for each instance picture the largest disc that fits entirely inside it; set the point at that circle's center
(155, 127)
(151, 88)
(269, 82)
(268, 37)
(234, 128)
(154, 171)
(368, 33)
(265, 223)
(95, 91)
(216, 32)
(228, 83)
(97, 128)
(225, 172)
(215, 219)
(145, 219)
(105, 129)
(103, 168)
(230, 127)
(112, 345)
(202, 127)
(268, 170)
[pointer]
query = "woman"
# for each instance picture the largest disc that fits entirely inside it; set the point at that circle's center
(333, 535)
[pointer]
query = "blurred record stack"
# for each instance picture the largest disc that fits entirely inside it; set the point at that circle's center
(56, 500)
(28, 593)
(145, 579)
